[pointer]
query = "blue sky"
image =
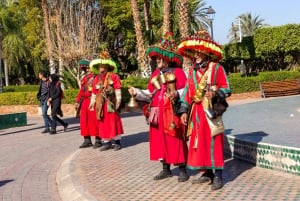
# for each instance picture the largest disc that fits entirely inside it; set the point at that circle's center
(274, 12)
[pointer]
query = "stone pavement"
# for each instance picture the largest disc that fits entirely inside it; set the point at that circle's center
(34, 166)
(127, 175)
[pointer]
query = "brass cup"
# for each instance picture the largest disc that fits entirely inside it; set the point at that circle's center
(155, 82)
(171, 77)
(132, 102)
(162, 78)
(172, 126)
(171, 87)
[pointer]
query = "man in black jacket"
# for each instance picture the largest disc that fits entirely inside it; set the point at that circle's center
(42, 97)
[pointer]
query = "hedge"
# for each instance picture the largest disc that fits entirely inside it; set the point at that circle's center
(23, 95)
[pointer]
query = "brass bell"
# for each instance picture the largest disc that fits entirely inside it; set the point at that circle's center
(132, 102)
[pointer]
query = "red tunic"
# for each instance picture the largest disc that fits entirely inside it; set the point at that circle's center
(110, 125)
(205, 152)
(88, 121)
(167, 145)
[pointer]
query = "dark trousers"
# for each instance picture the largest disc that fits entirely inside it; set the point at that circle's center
(54, 120)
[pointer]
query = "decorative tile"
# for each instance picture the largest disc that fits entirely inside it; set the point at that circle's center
(281, 158)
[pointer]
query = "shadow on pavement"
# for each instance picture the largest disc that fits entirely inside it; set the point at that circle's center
(3, 182)
(132, 140)
(233, 168)
(244, 147)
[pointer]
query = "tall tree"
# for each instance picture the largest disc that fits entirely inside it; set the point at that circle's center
(200, 16)
(14, 50)
(166, 16)
(139, 37)
(50, 45)
(183, 10)
(248, 26)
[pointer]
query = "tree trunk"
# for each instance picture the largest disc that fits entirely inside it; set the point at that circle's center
(182, 7)
(166, 19)
(59, 37)
(147, 16)
(50, 46)
(139, 35)
(6, 72)
(82, 28)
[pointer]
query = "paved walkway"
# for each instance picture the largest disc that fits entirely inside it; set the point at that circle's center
(29, 160)
(34, 166)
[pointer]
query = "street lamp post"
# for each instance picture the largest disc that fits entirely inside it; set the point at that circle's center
(210, 13)
(1, 84)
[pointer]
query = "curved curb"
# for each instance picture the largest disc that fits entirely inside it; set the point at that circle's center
(69, 186)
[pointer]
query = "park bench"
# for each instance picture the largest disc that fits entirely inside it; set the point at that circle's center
(279, 88)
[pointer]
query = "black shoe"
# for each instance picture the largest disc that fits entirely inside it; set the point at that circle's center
(163, 174)
(206, 177)
(97, 145)
(86, 144)
(183, 176)
(217, 183)
(66, 127)
(117, 147)
(52, 132)
(106, 146)
(46, 131)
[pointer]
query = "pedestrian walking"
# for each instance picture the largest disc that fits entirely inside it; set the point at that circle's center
(203, 102)
(88, 121)
(42, 96)
(54, 99)
(166, 133)
(106, 98)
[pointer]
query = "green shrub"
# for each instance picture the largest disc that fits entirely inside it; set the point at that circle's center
(21, 88)
(241, 84)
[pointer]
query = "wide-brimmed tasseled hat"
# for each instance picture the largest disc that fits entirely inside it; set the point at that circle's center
(84, 63)
(200, 42)
(104, 59)
(165, 48)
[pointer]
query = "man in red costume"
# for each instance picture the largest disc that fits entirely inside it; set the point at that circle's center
(166, 135)
(88, 121)
(107, 97)
(204, 100)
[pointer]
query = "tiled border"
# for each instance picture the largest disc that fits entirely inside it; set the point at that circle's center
(275, 157)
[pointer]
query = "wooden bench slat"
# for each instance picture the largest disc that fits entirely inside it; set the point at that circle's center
(280, 88)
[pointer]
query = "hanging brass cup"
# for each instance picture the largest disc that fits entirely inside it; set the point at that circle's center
(132, 102)
(155, 82)
(171, 82)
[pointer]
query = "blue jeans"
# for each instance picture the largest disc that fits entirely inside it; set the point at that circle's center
(46, 117)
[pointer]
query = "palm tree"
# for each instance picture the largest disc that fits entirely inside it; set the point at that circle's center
(248, 26)
(14, 50)
(183, 12)
(139, 37)
(200, 16)
(166, 16)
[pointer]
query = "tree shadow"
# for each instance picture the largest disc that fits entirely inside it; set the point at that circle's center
(4, 182)
(130, 114)
(29, 127)
(132, 140)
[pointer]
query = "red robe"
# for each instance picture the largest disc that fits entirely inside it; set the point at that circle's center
(88, 121)
(205, 152)
(110, 125)
(167, 145)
